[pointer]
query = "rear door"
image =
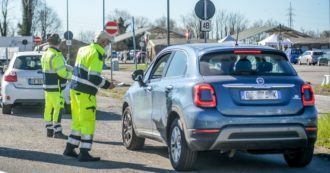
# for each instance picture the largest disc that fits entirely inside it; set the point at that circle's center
(28, 71)
(253, 84)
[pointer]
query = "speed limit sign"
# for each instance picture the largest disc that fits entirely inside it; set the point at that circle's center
(205, 25)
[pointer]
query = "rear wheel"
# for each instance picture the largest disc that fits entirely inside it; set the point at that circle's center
(299, 158)
(130, 139)
(182, 158)
(6, 109)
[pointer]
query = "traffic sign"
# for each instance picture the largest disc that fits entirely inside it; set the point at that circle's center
(205, 25)
(68, 35)
(112, 28)
(200, 9)
(68, 42)
(37, 40)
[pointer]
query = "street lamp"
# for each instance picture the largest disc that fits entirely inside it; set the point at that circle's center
(168, 22)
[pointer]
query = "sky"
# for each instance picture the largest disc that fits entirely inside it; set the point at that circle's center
(87, 15)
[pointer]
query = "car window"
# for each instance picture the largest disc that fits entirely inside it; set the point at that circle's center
(241, 64)
(158, 69)
(28, 62)
(177, 65)
(318, 53)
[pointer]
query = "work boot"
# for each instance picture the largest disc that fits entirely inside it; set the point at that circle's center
(84, 156)
(50, 133)
(69, 150)
(60, 135)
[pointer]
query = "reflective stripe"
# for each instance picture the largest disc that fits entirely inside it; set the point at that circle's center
(84, 81)
(53, 86)
(51, 61)
(102, 83)
(73, 141)
(60, 68)
(75, 133)
(94, 73)
(49, 125)
(86, 137)
(85, 145)
(83, 67)
(49, 71)
(58, 129)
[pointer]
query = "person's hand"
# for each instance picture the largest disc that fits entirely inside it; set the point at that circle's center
(111, 86)
(69, 67)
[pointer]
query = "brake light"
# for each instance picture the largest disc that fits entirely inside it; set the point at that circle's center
(10, 77)
(204, 96)
(307, 95)
(247, 52)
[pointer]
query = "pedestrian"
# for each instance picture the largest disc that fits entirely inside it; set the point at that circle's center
(55, 76)
(84, 85)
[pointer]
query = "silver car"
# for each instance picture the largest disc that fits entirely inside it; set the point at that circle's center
(309, 57)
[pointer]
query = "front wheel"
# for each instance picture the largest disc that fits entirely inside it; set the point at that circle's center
(299, 158)
(182, 158)
(6, 109)
(130, 139)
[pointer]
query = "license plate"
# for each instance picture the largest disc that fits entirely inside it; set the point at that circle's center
(35, 81)
(260, 95)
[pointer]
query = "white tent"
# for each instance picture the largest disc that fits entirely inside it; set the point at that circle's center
(228, 38)
(273, 40)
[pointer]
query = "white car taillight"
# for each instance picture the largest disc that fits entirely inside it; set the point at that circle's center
(10, 77)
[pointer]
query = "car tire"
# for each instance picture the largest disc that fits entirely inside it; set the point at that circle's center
(6, 109)
(181, 156)
(308, 63)
(299, 158)
(299, 62)
(130, 139)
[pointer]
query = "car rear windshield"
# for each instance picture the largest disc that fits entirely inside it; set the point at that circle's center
(245, 64)
(28, 62)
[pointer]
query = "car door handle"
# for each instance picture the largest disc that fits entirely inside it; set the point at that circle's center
(169, 88)
(149, 88)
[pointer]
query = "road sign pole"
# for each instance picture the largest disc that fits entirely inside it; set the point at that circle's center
(205, 18)
(134, 44)
(67, 27)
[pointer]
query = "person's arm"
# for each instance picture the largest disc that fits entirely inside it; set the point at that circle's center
(94, 73)
(60, 68)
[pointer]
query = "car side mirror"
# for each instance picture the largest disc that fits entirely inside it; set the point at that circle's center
(137, 75)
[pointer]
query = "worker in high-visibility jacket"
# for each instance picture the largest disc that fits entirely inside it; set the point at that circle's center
(55, 75)
(86, 81)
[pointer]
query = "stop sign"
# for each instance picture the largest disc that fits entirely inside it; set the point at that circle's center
(37, 40)
(111, 28)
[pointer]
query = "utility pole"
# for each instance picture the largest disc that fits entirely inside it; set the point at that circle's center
(103, 25)
(168, 22)
(290, 14)
(67, 26)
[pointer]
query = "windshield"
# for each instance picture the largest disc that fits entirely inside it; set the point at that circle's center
(28, 62)
(245, 64)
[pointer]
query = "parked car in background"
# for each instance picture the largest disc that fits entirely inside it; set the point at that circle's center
(22, 82)
(201, 97)
(324, 59)
(309, 57)
(293, 54)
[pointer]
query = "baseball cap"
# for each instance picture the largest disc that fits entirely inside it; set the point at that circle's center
(102, 35)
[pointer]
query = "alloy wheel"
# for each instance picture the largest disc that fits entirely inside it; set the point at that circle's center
(176, 144)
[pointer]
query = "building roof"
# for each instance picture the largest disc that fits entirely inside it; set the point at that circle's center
(176, 41)
(285, 31)
(310, 40)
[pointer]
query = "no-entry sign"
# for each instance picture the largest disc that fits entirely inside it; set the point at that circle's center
(37, 40)
(111, 28)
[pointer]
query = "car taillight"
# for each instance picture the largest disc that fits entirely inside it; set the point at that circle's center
(204, 96)
(247, 52)
(10, 77)
(307, 95)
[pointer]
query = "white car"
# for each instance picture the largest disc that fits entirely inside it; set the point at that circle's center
(22, 82)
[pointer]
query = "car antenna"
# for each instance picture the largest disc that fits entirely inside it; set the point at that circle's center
(236, 44)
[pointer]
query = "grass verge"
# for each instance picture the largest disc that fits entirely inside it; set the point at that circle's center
(116, 93)
(322, 90)
(323, 134)
(131, 67)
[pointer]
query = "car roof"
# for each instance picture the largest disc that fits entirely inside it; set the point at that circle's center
(218, 46)
(26, 53)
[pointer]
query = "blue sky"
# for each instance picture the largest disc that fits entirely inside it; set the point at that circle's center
(86, 15)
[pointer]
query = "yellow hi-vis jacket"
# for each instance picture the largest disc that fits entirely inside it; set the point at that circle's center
(54, 70)
(87, 70)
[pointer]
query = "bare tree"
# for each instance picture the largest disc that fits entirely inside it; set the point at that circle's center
(4, 18)
(325, 34)
(220, 21)
(141, 22)
(191, 22)
(162, 22)
(86, 36)
(236, 22)
(123, 18)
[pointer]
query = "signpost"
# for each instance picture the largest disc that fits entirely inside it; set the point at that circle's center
(112, 28)
(37, 40)
(205, 10)
(68, 35)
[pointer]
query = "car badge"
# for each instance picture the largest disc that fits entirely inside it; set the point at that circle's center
(260, 81)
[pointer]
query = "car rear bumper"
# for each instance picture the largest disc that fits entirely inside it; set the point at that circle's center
(13, 95)
(252, 138)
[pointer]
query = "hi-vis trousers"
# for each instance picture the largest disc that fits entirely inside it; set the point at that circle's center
(83, 109)
(54, 102)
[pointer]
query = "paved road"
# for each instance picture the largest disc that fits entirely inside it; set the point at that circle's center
(24, 147)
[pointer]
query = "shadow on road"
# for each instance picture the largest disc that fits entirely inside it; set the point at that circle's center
(37, 112)
(63, 160)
